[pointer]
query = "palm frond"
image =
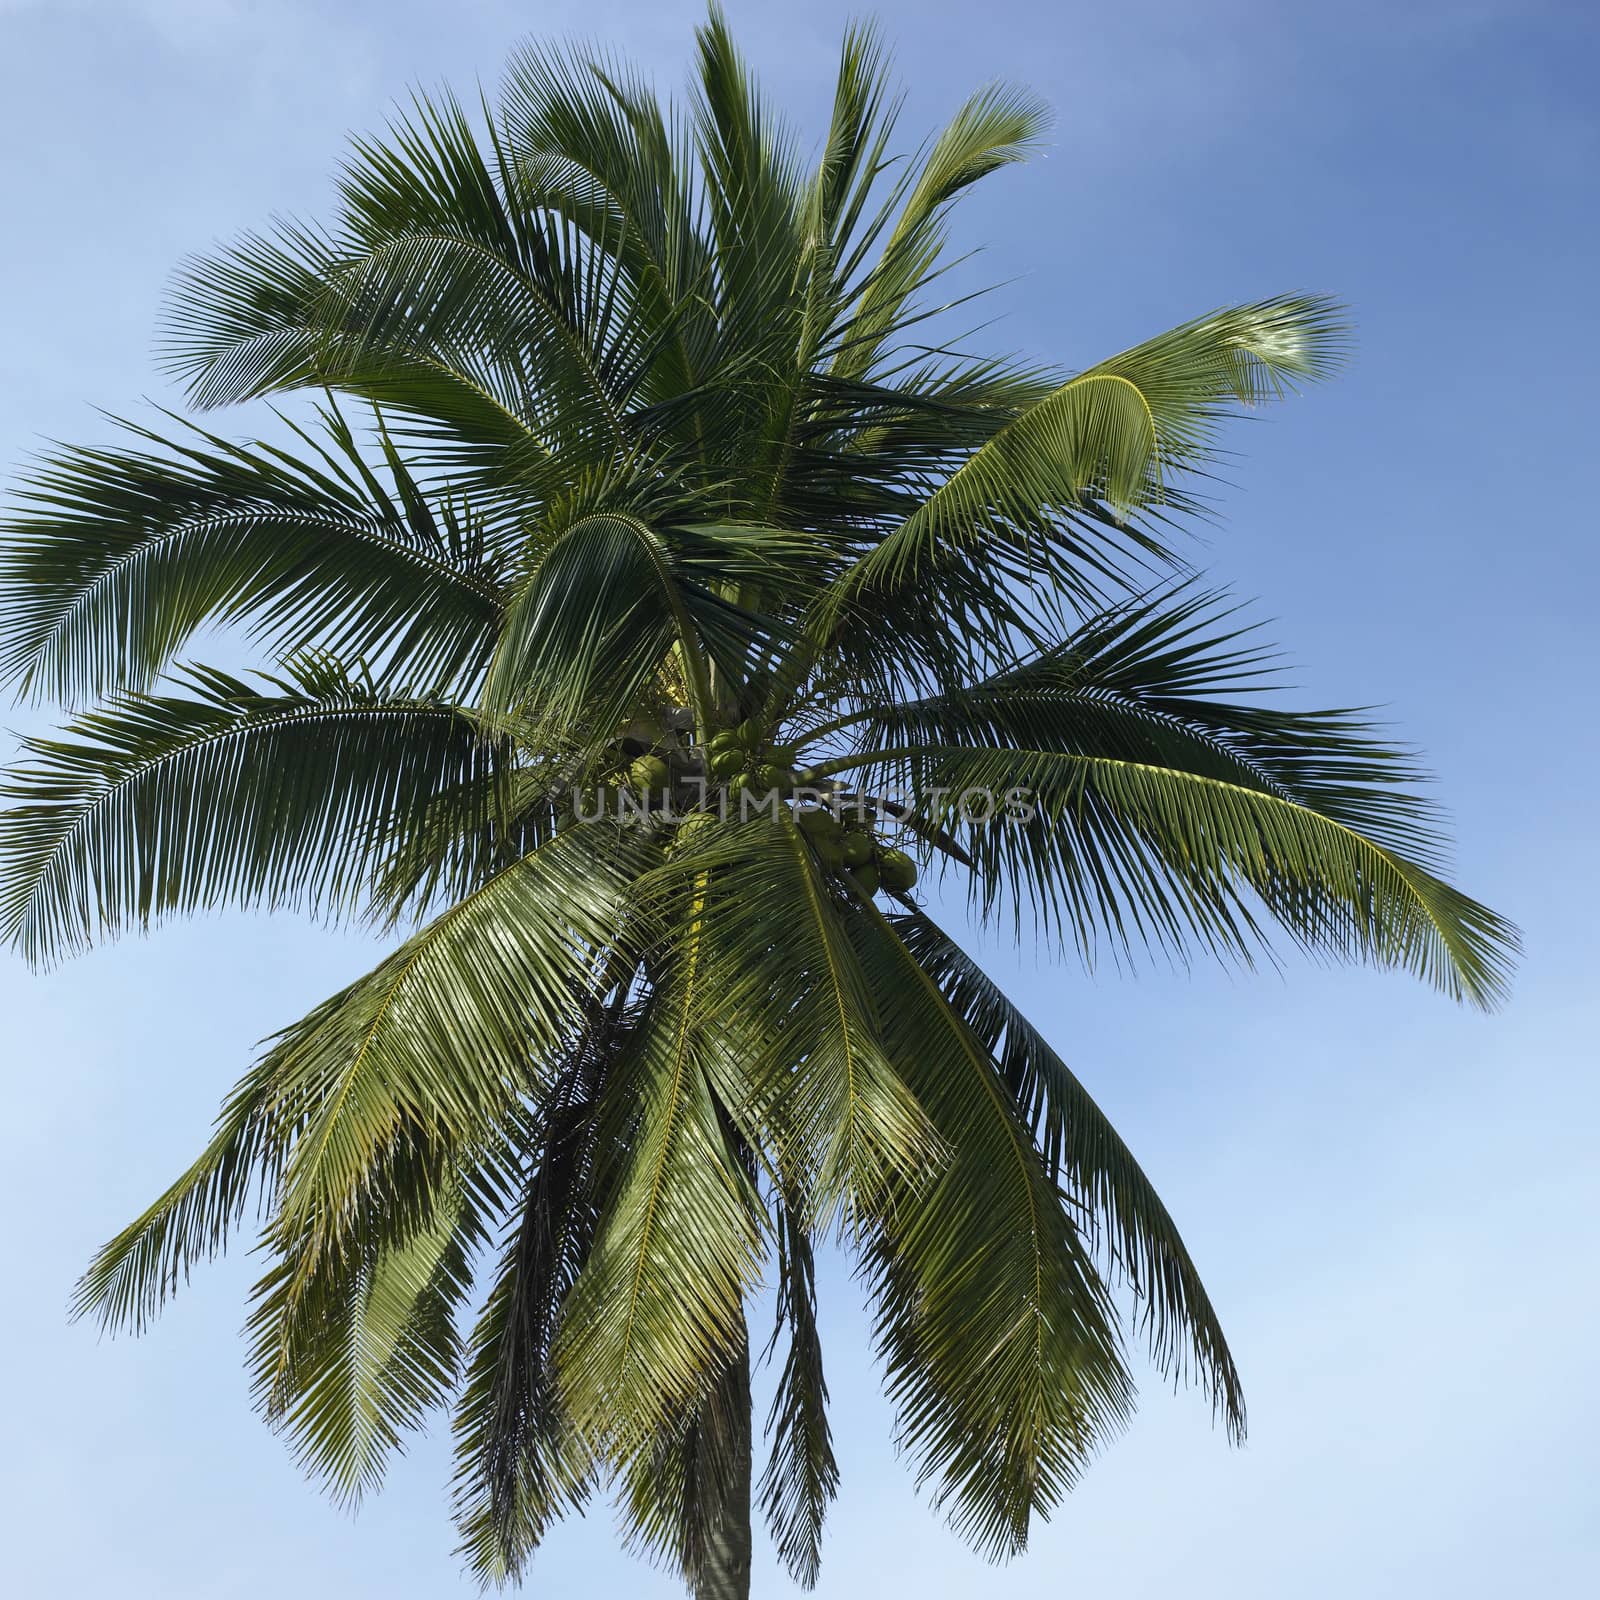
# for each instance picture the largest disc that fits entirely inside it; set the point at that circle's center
(807, 1077)
(685, 1498)
(1133, 850)
(997, 126)
(1113, 434)
(134, 1275)
(442, 1039)
(1082, 1151)
(117, 557)
(519, 1462)
(1093, 785)
(657, 1312)
(1000, 1345)
(603, 604)
(753, 185)
(802, 1474)
(584, 138)
(316, 772)
(352, 1353)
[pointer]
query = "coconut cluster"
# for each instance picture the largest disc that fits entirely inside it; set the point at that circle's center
(845, 843)
(736, 757)
(741, 759)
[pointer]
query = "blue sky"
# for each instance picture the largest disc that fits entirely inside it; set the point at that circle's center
(1394, 1202)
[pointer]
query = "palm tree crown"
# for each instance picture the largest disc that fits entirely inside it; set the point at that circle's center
(651, 590)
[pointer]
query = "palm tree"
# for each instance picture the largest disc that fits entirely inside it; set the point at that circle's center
(653, 586)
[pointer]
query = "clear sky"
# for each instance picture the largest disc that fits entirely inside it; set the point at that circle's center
(1394, 1202)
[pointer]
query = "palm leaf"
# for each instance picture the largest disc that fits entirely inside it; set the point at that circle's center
(519, 1461)
(1000, 1346)
(351, 1357)
(657, 1311)
(685, 1499)
(1142, 810)
(803, 1070)
(1083, 1150)
(116, 825)
(131, 1278)
(493, 987)
(1112, 434)
(119, 556)
(997, 126)
(802, 1474)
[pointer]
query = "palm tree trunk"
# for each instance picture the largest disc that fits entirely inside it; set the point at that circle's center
(724, 1567)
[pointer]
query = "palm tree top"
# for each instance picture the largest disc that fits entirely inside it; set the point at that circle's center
(649, 587)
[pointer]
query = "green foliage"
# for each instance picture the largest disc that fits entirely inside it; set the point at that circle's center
(669, 488)
(802, 1475)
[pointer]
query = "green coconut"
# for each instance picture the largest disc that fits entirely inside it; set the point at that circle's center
(727, 761)
(727, 739)
(819, 822)
(693, 830)
(649, 773)
(830, 851)
(770, 775)
(865, 878)
(750, 733)
(897, 870)
(857, 849)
